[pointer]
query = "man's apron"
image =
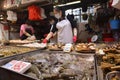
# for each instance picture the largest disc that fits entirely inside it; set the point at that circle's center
(65, 34)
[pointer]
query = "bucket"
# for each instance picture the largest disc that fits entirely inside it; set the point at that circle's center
(89, 39)
(107, 35)
(114, 24)
(108, 39)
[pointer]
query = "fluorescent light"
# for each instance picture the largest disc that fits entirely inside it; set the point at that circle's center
(70, 3)
(73, 2)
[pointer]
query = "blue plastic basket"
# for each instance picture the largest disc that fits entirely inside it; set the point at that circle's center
(115, 24)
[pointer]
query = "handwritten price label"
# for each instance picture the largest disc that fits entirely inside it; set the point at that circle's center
(67, 48)
(10, 64)
(18, 66)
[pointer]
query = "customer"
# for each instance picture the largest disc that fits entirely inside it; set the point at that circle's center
(63, 28)
(26, 30)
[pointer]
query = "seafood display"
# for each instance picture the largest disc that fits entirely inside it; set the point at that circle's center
(80, 47)
(88, 47)
(60, 66)
(112, 47)
(9, 50)
(21, 41)
(110, 61)
(37, 45)
(56, 47)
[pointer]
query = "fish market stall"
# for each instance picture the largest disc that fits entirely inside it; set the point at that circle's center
(53, 65)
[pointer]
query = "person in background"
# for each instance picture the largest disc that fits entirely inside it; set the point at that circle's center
(41, 28)
(65, 32)
(74, 26)
(26, 30)
(52, 21)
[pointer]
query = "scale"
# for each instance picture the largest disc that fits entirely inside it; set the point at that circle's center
(94, 38)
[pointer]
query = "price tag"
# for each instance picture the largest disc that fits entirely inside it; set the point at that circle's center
(17, 66)
(10, 64)
(67, 48)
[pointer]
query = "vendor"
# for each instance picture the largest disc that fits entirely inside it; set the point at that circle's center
(26, 30)
(52, 20)
(63, 28)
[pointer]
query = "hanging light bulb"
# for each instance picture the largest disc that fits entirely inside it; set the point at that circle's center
(1, 15)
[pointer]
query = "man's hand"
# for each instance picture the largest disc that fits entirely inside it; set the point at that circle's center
(74, 39)
(44, 41)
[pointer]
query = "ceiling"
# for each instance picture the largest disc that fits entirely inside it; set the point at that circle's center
(24, 6)
(58, 2)
(55, 2)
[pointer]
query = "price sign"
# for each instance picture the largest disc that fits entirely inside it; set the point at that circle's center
(17, 66)
(67, 48)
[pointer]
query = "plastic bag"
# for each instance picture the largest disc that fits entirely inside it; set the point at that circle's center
(34, 12)
(12, 16)
(116, 4)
